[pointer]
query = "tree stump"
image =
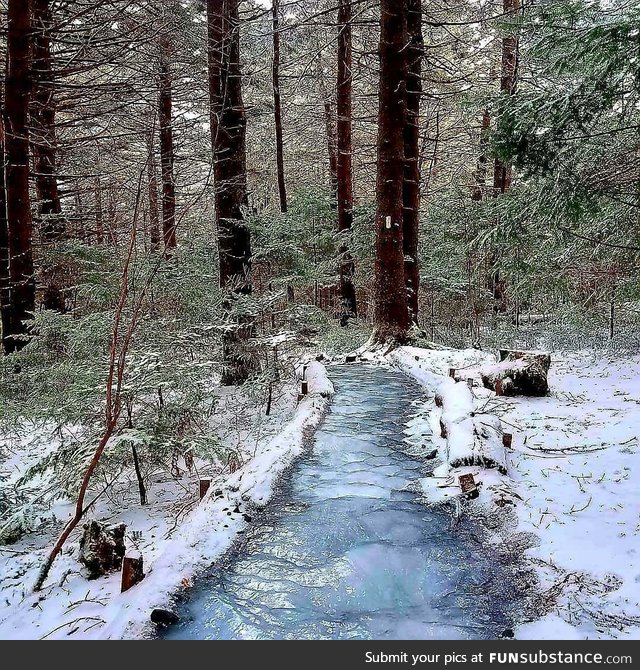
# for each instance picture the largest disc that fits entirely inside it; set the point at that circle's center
(102, 548)
(132, 570)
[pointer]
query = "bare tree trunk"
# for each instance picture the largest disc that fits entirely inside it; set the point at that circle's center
(18, 86)
(345, 159)
(277, 106)
(4, 230)
(152, 183)
(228, 128)
(391, 313)
(330, 127)
(502, 173)
(481, 169)
(97, 185)
(50, 221)
(411, 189)
(167, 155)
(43, 115)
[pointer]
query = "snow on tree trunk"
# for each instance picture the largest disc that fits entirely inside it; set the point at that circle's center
(472, 439)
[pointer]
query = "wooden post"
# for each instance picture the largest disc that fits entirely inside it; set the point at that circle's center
(507, 440)
(305, 387)
(452, 373)
(304, 371)
(468, 486)
(204, 487)
(132, 570)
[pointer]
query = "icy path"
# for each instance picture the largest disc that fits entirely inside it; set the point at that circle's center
(343, 552)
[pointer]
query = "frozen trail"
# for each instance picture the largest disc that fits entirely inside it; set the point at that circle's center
(343, 552)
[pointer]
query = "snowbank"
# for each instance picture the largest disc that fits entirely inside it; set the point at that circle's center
(569, 507)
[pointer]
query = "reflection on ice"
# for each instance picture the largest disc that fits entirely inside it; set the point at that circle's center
(346, 553)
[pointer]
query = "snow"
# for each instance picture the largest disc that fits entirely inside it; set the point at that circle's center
(572, 481)
(177, 539)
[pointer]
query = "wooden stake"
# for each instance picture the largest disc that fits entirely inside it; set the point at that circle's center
(305, 388)
(204, 487)
(132, 570)
(452, 373)
(507, 439)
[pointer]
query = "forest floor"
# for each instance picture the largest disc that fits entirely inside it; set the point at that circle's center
(573, 468)
(173, 532)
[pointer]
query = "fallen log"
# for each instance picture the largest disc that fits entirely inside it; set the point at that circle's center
(518, 373)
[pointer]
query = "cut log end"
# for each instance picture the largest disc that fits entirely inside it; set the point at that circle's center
(204, 487)
(132, 570)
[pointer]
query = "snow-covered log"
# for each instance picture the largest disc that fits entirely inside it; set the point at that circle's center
(472, 439)
(518, 373)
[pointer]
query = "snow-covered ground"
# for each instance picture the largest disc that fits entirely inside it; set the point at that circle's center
(176, 535)
(572, 482)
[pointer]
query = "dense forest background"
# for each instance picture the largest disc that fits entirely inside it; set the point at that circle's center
(194, 190)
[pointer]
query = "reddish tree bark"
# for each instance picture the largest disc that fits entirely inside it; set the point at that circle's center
(167, 154)
(228, 137)
(344, 164)
(277, 106)
(18, 87)
(411, 187)
(391, 314)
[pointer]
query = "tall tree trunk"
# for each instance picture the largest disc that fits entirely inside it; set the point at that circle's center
(228, 135)
(345, 159)
(152, 192)
(4, 230)
(481, 169)
(330, 127)
(411, 189)
(277, 106)
(97, 187)
(502, 174)
(391, 313)
(43, 116)
(167, 155)
(18, 87)
(50, 222)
